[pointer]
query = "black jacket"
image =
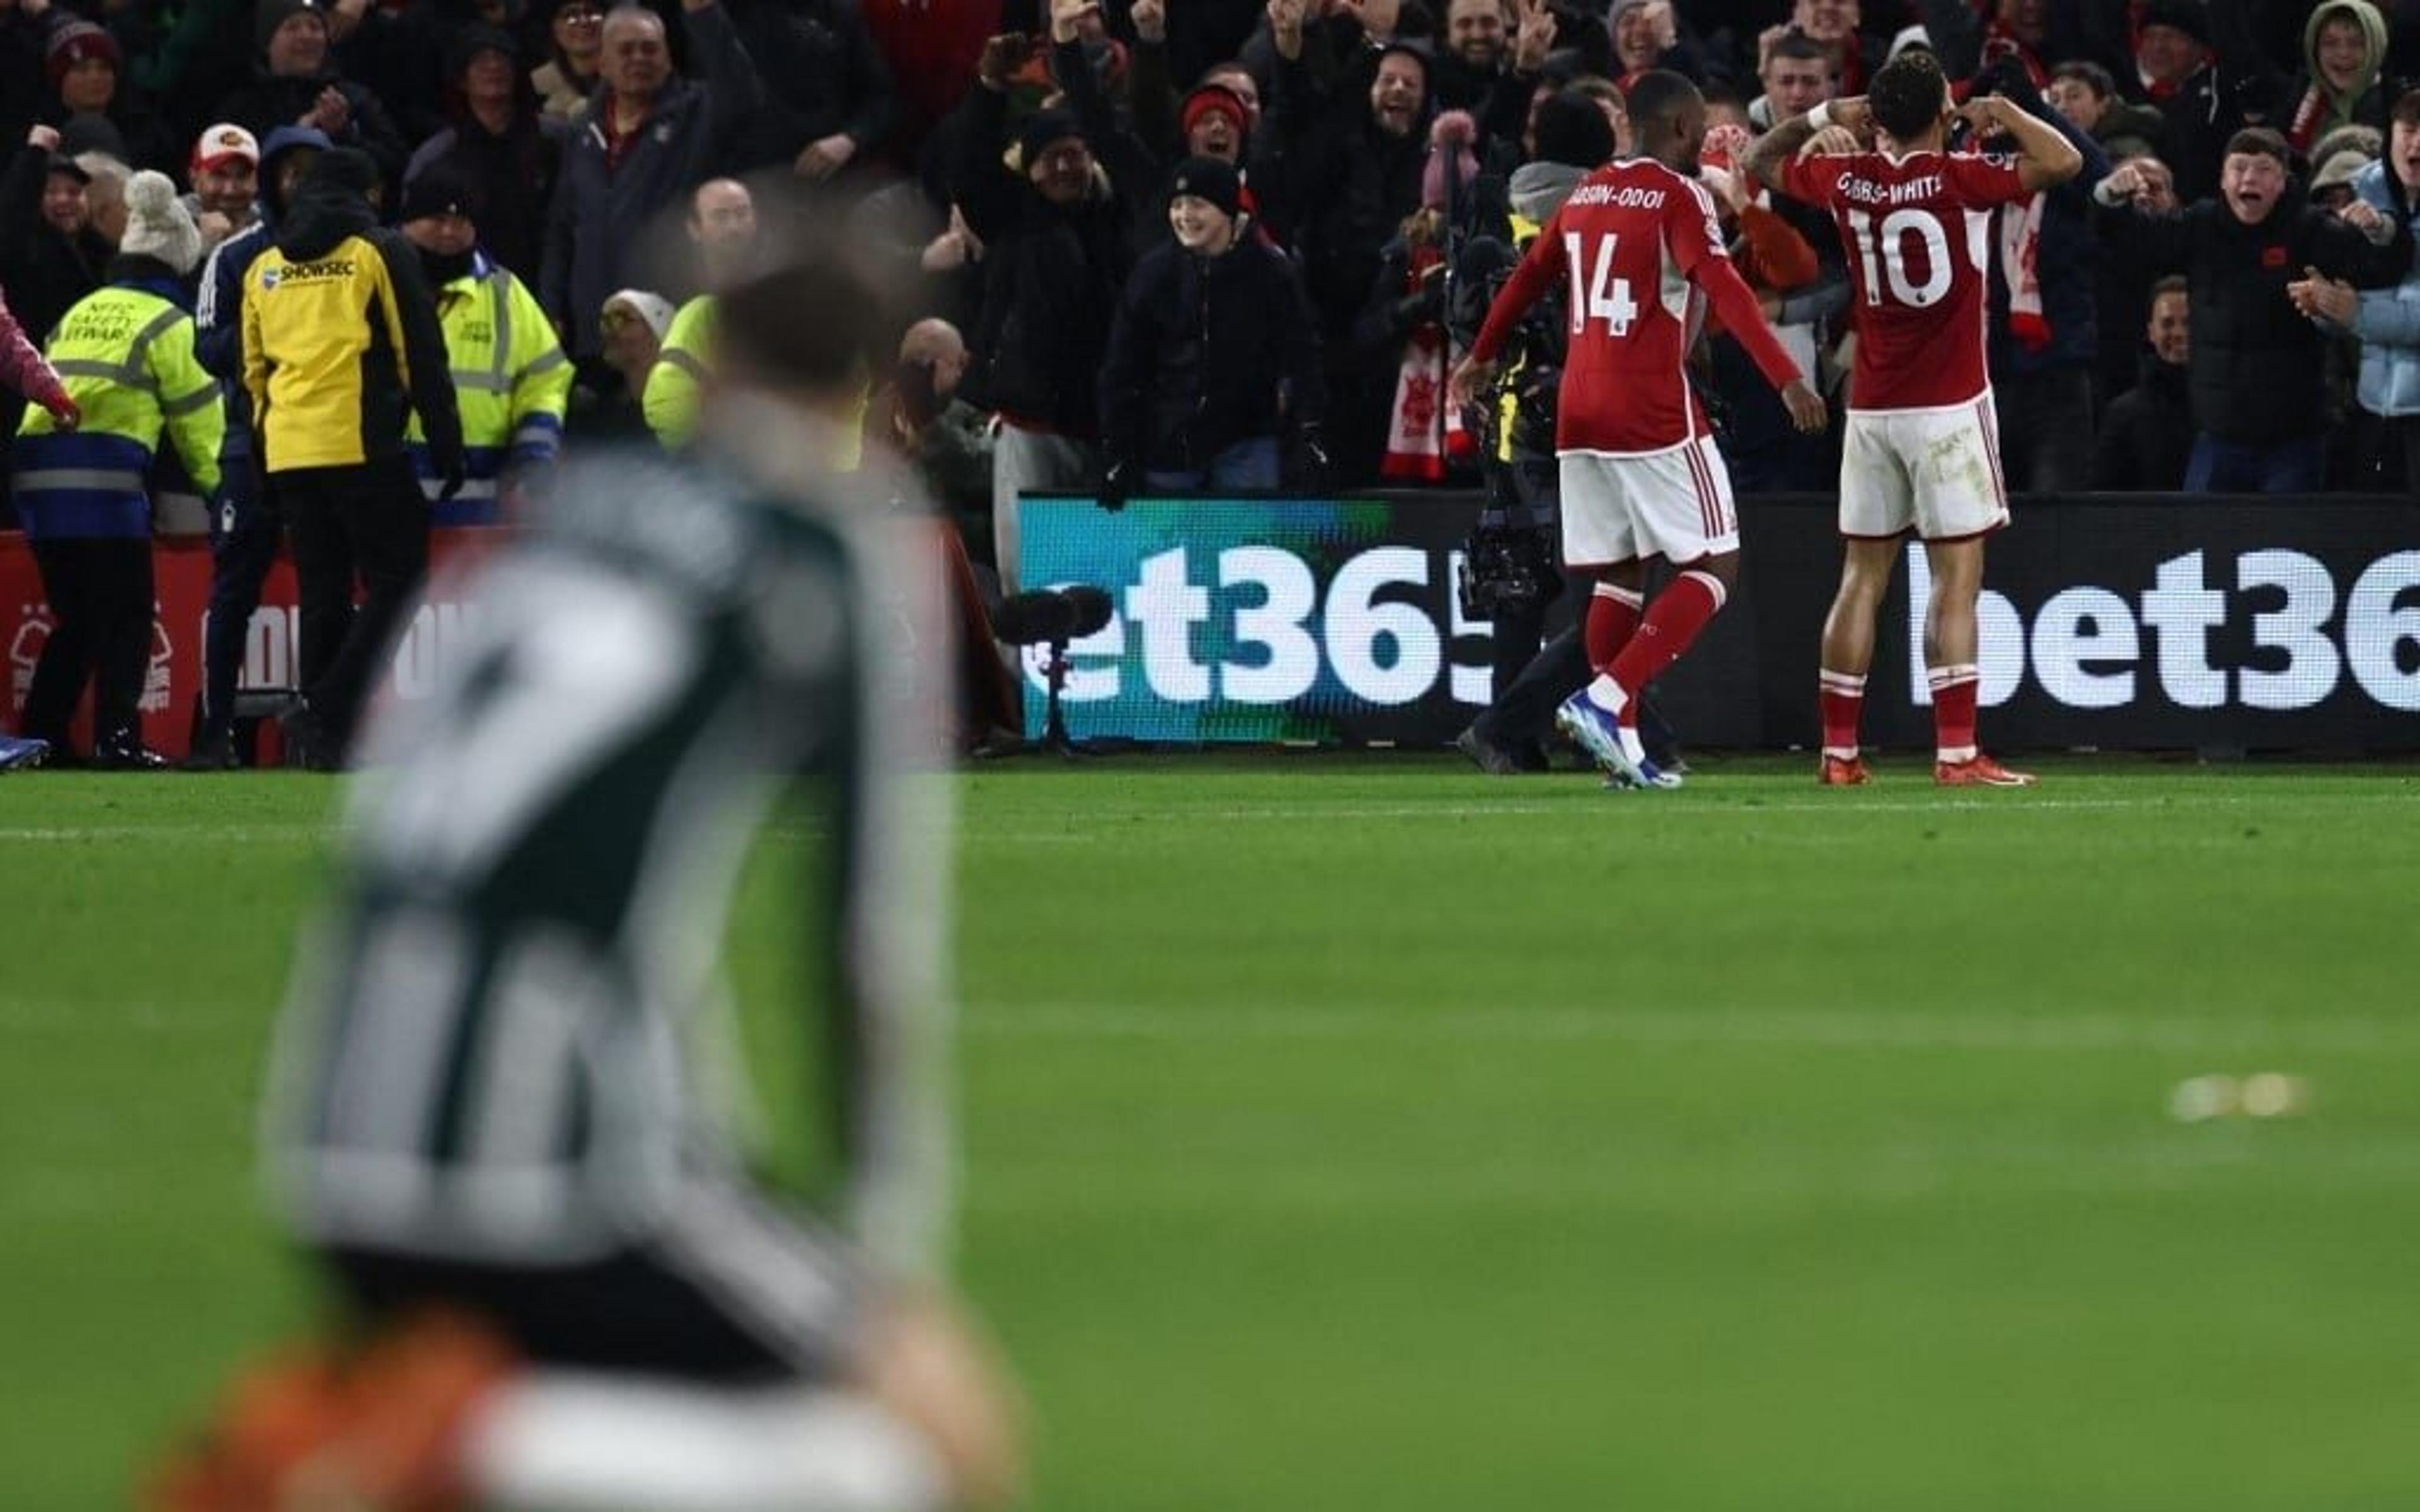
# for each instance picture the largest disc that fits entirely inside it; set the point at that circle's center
(1050, 280)
(822, 75)
(1200, 350)
(2257, 366)
(513, 175)
(272, 100)
(1337, 189)
(598, 229)
(43, 272)
(2147, 434)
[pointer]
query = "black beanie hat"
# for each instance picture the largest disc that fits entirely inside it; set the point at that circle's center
(439, 191)
(1572, 130)
(1211, 180)
(273, 14)
(477, 38)
(1044, 126)
(2187, 16)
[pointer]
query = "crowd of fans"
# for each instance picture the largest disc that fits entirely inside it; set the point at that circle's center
(1207, 242)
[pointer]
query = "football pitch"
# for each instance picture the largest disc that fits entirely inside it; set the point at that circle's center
(1361, 1134)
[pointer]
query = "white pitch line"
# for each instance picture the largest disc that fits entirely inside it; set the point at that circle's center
(1312, 808)
(1814, 1028)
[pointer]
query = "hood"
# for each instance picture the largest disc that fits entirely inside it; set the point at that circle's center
(1539, 189)
(2373, 36)
(279, 143)
(330, 204)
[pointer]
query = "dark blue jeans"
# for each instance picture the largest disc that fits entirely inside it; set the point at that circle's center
(2226, 467)
(1251, 464)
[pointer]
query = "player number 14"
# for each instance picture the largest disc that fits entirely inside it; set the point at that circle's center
(1604, 298)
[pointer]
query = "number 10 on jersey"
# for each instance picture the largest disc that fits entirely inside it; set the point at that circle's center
(1599, 295)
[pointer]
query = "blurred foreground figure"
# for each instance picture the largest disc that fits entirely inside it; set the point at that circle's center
(506, 1124)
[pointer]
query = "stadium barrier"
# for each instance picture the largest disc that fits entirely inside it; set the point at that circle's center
(181, 593)
(2117, 621)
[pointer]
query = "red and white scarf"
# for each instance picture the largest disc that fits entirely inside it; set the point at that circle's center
(2021, 224)
(1427, 438)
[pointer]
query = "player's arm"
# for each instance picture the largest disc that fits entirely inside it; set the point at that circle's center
(1744, 317)
(1771, 158)
(2045, 159)
(1527, 286)
(1695, 238)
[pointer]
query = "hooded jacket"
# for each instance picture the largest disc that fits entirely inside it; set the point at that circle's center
(2388, 320)
(2255, 369)
(218, 307)
(340, 334)
(2314, 107)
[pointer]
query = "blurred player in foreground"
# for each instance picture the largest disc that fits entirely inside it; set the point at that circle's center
(1922, 448)
(1640, 475)
(497, 1125)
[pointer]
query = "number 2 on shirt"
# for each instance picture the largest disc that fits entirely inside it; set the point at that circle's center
(1606, 297)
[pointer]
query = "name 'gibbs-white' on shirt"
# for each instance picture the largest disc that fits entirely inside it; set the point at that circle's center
(1643, 252)
(1919, 233)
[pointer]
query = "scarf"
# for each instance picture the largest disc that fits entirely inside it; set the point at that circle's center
(2021, 223)
(1426, 437)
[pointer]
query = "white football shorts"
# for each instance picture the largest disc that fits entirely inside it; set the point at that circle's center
(1935, 472)
(1675, 504)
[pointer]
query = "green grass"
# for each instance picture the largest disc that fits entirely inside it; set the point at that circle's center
(1364, 1134)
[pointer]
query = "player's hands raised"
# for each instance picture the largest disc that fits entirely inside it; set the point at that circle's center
(1852, 115)
(1805, 407)
(1832, 142)
(1462, 389)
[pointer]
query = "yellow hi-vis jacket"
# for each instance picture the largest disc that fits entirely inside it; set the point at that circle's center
(682, 363)
(511, 383)
(125, 353)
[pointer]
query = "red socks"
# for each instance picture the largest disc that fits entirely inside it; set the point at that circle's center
(1612, 619)
(1843, 700)
(1953, 710)
(1673, 621)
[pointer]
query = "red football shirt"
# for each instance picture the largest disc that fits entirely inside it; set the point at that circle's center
(1919, 233)
(1642, 251)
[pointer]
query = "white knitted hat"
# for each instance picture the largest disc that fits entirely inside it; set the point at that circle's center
(157, 226)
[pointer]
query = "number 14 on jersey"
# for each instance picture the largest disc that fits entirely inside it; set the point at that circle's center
(1598, 295)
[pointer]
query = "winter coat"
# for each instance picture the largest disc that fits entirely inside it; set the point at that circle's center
(1200, 351)
(272, 100)
(1051, 279)
(2257, 363)
(2388, 322)
(596, 228)
(822, 75)
(513, 175)
(44, 272)
(1337, 188)
(2064, 261)
(2147, 434)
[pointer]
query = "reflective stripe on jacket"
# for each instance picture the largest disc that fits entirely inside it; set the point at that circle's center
(511, 381)
(126, 355)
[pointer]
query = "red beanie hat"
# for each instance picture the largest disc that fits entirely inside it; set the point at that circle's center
(75, 43)
(1214, 99)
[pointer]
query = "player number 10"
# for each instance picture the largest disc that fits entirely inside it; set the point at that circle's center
(1883, 258)
(1606, 297)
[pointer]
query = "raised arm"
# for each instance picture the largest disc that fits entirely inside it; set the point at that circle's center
(2045, 159)
(1777, 148)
